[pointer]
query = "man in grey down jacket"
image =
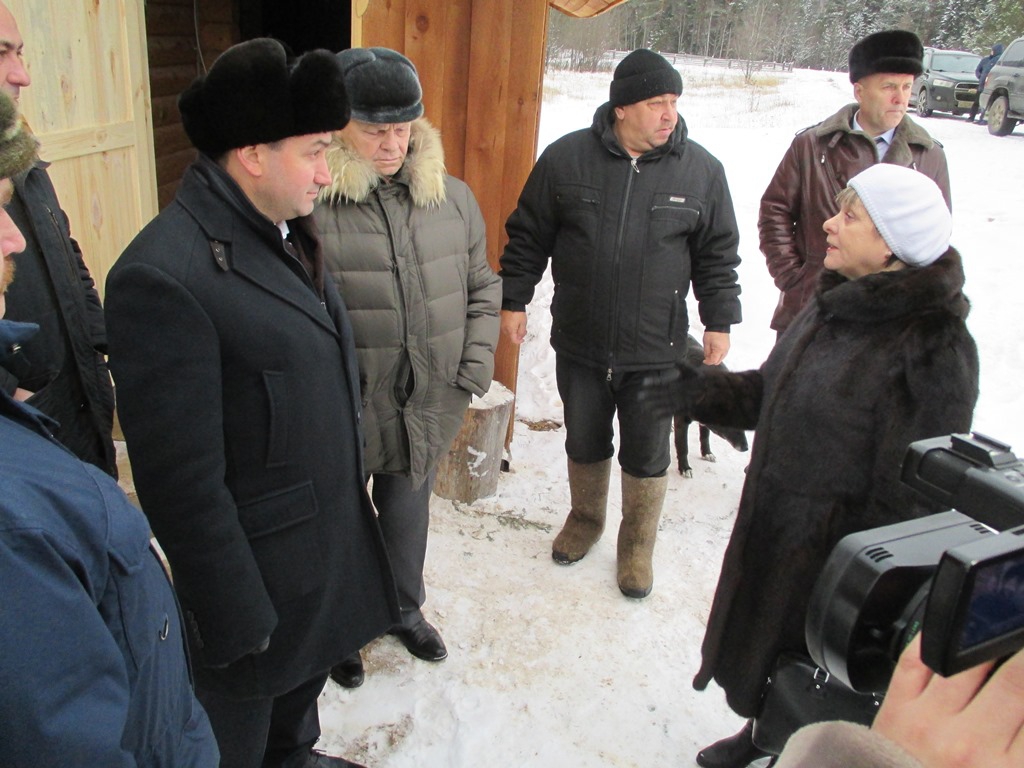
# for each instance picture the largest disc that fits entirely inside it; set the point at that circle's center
(239, 399)
(630, 212)
(406, 244)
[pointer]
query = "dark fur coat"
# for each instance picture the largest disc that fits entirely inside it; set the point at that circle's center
(867, 368)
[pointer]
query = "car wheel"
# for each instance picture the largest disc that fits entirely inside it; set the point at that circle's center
(922, 104)
(998, 123)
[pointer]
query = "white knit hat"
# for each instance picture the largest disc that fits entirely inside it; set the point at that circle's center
(908, 211)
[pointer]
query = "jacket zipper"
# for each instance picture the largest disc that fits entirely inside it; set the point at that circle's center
(619, 238)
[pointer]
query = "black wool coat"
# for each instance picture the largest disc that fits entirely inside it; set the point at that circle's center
(238, 393)
(869, 366)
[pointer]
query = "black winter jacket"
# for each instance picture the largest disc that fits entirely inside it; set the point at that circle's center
(63, 364)
(869, 366)
(626, 238)
(239, 398)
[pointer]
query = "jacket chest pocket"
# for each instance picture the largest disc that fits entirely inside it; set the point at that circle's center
(576, 201)
(674, 214)
(139, 593)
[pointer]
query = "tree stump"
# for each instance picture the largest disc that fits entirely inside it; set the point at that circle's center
(472, 466)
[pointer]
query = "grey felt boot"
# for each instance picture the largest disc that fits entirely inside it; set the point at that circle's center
(642, 500)
(588, 489)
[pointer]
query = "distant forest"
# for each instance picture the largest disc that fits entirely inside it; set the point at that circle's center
(814, 34)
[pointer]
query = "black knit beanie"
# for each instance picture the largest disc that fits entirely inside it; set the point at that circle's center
(382, 85)
(643, 74)
(894, 51)
(254, 95)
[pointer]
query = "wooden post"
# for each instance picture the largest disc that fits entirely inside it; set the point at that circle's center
(470, 470)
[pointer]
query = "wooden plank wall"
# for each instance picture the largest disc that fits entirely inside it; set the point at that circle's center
(89, 105)
(184, 39)
(481, 63)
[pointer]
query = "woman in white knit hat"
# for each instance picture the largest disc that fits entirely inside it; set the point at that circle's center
(880, 358)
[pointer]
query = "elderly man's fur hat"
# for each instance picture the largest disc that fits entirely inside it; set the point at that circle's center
(893, 51)
(383, 85)
(18, 146)
(253, 95)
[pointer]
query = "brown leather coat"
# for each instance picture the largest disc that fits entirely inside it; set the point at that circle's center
(801, 197)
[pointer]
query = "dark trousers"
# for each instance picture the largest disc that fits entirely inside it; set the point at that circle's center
(271, 732)
(404, 517)
(590, 402)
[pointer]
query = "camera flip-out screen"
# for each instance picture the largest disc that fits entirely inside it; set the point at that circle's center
(976, 607)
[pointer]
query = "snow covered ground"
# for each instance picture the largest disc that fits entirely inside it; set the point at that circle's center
(551, 665)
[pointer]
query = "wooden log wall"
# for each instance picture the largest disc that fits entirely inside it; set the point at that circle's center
(481, 63)
(184, 38)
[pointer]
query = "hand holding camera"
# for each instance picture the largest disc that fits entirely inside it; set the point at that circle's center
(973, 718)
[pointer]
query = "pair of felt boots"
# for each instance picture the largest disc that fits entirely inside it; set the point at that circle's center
(642, 500)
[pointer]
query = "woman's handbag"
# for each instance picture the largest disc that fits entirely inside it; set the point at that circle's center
(799, 693)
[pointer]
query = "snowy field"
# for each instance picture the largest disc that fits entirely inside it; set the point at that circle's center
(551, 665)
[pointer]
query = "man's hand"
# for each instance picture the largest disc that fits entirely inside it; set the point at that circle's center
(21, 395)
(965, 720)
(716, 347)
(513, 326)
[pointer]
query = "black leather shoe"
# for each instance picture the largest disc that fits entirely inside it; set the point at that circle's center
(422, 641)
(734, 752)
(348, 673)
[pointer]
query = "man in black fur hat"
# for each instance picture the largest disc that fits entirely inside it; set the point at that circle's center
(822, 158)
(239, 399)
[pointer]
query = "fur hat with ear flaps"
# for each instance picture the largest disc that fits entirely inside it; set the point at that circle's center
(383, 85)
(18, 146)
(254, 95)
(893, 51)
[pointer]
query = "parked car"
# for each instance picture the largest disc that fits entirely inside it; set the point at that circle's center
(947, 84)
(1003, 95)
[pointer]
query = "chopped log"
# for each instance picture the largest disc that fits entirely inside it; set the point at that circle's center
(471, 468)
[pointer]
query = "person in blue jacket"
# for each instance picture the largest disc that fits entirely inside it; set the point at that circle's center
(981, 72)
(93, 665)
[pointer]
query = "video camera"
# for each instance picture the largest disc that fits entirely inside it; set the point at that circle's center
(958, 575)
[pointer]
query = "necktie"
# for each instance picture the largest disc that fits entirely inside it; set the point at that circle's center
(290, 247)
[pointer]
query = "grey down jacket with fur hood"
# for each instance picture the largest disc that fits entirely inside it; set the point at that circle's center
(409, 257)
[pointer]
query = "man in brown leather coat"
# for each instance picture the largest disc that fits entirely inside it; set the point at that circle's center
(822, 158)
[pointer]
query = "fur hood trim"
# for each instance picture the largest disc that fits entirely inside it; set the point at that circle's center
(353, 177)
(907, 132)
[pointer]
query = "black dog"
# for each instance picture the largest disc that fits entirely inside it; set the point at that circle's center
(737, 438)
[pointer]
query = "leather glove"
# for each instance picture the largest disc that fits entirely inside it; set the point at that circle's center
(670, 390)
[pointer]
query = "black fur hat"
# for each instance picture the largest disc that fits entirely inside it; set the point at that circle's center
(383, 85)
(893, 51)
(642, 75)
(254, 95)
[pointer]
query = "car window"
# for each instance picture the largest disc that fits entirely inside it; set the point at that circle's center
(1014, 55)
(956, 63)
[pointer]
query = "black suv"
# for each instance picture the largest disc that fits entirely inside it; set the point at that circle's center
(947, 84)
(1003, 97)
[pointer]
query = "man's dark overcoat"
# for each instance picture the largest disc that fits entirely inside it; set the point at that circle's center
(869, 366)
(238, 394)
